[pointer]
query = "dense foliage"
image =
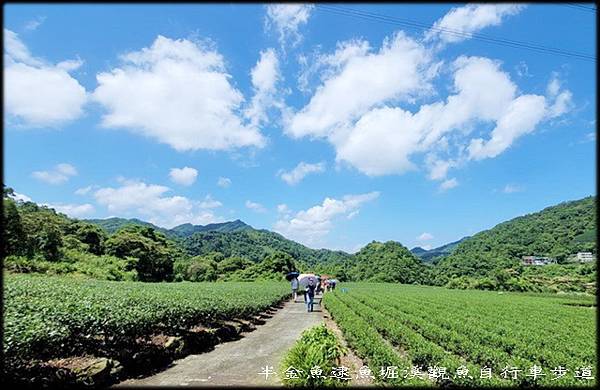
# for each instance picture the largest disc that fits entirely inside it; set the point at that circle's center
(255, 245)
(37, 239)
(557, 231)
(387, 262)
(453, 329)
(317, 347)
(432, 255)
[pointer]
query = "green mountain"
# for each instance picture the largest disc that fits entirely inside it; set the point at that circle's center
(435, 253)
(111, 225)
(187, 229)
(387, 262)
(558, 231)
(255, 245)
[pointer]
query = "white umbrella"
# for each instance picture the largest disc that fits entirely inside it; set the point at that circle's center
(303, 279)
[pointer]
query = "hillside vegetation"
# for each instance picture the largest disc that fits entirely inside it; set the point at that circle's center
(558, 231)
(39, 240)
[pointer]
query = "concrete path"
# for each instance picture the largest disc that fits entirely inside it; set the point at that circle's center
(239, 362)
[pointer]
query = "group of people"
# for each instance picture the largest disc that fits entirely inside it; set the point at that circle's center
(312, 289)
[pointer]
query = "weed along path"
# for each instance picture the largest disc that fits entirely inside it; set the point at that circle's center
(240, 362)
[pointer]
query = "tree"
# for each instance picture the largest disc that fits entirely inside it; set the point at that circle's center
(43, 228)
(154, 252)
(13, 235)
(202, 270)
(89, 234)
(232, 264)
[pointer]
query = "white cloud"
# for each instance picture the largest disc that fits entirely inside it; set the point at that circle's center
(561, 99)
(224, 182)
(210, 203)
(510, 188)
(591, 136)
(425, 237)
(73, 210)
(151, 202)
(301, 171)
(311, 226)
(37, 93)
(33, 24)
(521, 117)
(177, 92)
(257, 207)
(397, 70)
(60, 174)
(372, 132)
(448, 184)
(21, 197)
(283, 210)
(352, 214)
(522, 69)
(265, 75)
(460, 22)
(185, 176)
(286, 19)
(84, 190)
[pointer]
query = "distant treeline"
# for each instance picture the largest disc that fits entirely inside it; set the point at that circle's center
(37, 239)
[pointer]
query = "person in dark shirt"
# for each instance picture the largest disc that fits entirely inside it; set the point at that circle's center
(310, 294)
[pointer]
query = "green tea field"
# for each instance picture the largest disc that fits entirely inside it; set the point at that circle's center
(59, 317)
(426, 335)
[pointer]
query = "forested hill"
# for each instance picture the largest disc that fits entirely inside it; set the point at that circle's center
(235, 239)
(558, 231)
(113, 224)
(255, 245)
(432, 254)
(387, 262)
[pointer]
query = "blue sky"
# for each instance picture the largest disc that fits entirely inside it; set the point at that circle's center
(330, 129)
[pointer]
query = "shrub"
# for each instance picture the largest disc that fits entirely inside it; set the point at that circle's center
(317, 346)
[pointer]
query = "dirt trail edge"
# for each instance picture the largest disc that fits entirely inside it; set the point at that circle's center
(240, 362)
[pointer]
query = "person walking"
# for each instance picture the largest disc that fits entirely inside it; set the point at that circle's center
(294, 288)
(310, 295)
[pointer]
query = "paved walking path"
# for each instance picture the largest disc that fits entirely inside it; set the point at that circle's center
(239, 362)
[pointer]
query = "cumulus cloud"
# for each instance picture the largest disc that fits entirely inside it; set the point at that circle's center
(185, 176)
(60, 174)
(521, 117)
(425, 237)
(72, 210)
(265, 76)
(177, 92)
(257, 207)
(38, 93)
(210, 203)
(312, 225)
(397, 70)
(460, 22)
(373, 132)
(448, 184)
(287, 19)
(301, 171)
(283, 210)
(153, 203)
(224, 182)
